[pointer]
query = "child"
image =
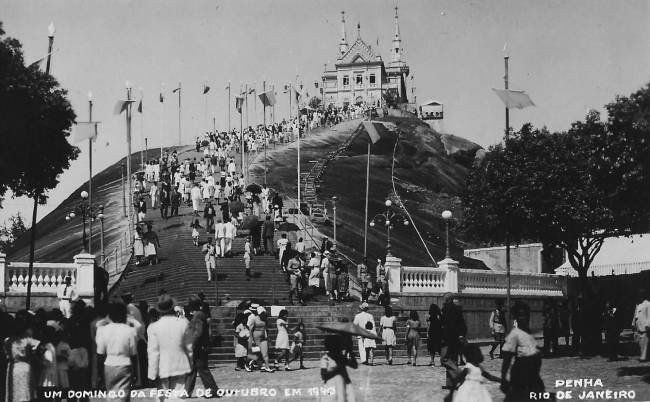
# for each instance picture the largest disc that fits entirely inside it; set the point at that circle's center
(62, 360)
(297, 344)
(195, 232)
(369, 344)
(472, 378)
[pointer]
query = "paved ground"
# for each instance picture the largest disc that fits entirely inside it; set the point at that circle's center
(403, 383)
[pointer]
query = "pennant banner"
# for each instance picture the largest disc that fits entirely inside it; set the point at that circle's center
(514, 99)
(239, 101)
(268, 98)
(162, 98)
(140, 106)
(206, 89)
(121, 105)
(84, 130)
(371, 130)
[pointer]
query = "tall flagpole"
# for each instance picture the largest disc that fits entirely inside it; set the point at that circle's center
(90, 171)
(241, 139)
(179, 113)
(298, 148)
(246, 101)
(265, 132)
(505, 79)
(128, 155)
(162, 118)
(205, 108)
(228, 107)
(141, 130)
(255, 104)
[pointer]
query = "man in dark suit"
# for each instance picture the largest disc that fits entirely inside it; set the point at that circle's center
(176, 198)
(267, 233)
(198, 336)
(453, 330)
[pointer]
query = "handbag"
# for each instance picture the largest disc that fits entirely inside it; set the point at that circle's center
(256, 349)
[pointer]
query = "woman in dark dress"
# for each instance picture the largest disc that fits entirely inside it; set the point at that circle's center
(433, 332)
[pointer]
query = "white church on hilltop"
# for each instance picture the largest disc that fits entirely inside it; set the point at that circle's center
(360, 75)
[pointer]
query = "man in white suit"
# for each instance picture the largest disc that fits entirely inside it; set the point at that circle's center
(67, 293)
(168, 348)
(220, 237)
(361, 319)
(231, 232)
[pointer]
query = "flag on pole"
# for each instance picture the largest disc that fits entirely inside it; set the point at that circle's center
(121, 105)
(268, 98)
(162, 98)
(239, 102)
(371, 130)
(514, 99)
(176, 90)
(227, 86)
(140, 106)
(85, 130)
(206, 89)
(250, 91)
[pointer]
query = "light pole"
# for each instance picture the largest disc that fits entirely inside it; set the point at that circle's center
(32, 242)
(88, 212)
(90, 169)
(101, 236)
(389, 219)
(446, 215)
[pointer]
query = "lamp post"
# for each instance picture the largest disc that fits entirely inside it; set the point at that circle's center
(101, 236)
(87, 211)
(389, 219)
(32, 243)
(333, 202)
(446, 215)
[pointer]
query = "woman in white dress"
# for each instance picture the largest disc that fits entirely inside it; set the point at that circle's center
(473, 378)
(138, 245)
(282, 340)
(387, 326)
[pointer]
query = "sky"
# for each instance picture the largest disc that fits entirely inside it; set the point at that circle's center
(570, 56)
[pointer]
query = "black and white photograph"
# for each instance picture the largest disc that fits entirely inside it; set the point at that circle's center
(304, 200)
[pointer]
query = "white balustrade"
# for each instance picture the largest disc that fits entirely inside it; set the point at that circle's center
(423, 280)
(607, 269)
(472, 281)
(46, 277)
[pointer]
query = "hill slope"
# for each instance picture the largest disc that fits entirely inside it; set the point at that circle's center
(430, 172)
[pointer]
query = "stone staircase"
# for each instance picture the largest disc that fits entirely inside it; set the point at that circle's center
(311, 316)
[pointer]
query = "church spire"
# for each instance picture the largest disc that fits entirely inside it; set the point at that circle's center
(397, 41)
(343, 45)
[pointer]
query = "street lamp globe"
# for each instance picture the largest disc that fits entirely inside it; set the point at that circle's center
(84, 194)
(388, 203)
(387, 223)
(100, 216)
(372, 224)
(446, 215)
(406, 222)
(334, 198)
(72, 215)
(90, 96)
(51, 30)
(67, 217)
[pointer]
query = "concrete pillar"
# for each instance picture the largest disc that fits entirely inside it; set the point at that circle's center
(394, 272)
(3, 273)
(451, 277)
(85, 274)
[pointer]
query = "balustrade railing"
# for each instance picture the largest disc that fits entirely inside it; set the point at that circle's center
(46, 277)
(423, 279)
(495, 283)
(611, 269)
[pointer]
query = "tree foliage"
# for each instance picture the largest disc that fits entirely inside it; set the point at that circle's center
(9, 233)
(571, 189)
(35, 121)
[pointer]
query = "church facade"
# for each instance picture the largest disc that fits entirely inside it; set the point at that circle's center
(360, 74)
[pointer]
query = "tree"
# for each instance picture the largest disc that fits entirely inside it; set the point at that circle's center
(541, 186)
(34, 128)
(9, 233)
(620, 159)
(36, 120)
(315, 102)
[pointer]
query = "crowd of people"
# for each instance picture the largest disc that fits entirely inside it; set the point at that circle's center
(112, 347)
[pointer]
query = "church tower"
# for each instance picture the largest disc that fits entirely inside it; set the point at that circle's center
(396, 51)
(343, 45)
